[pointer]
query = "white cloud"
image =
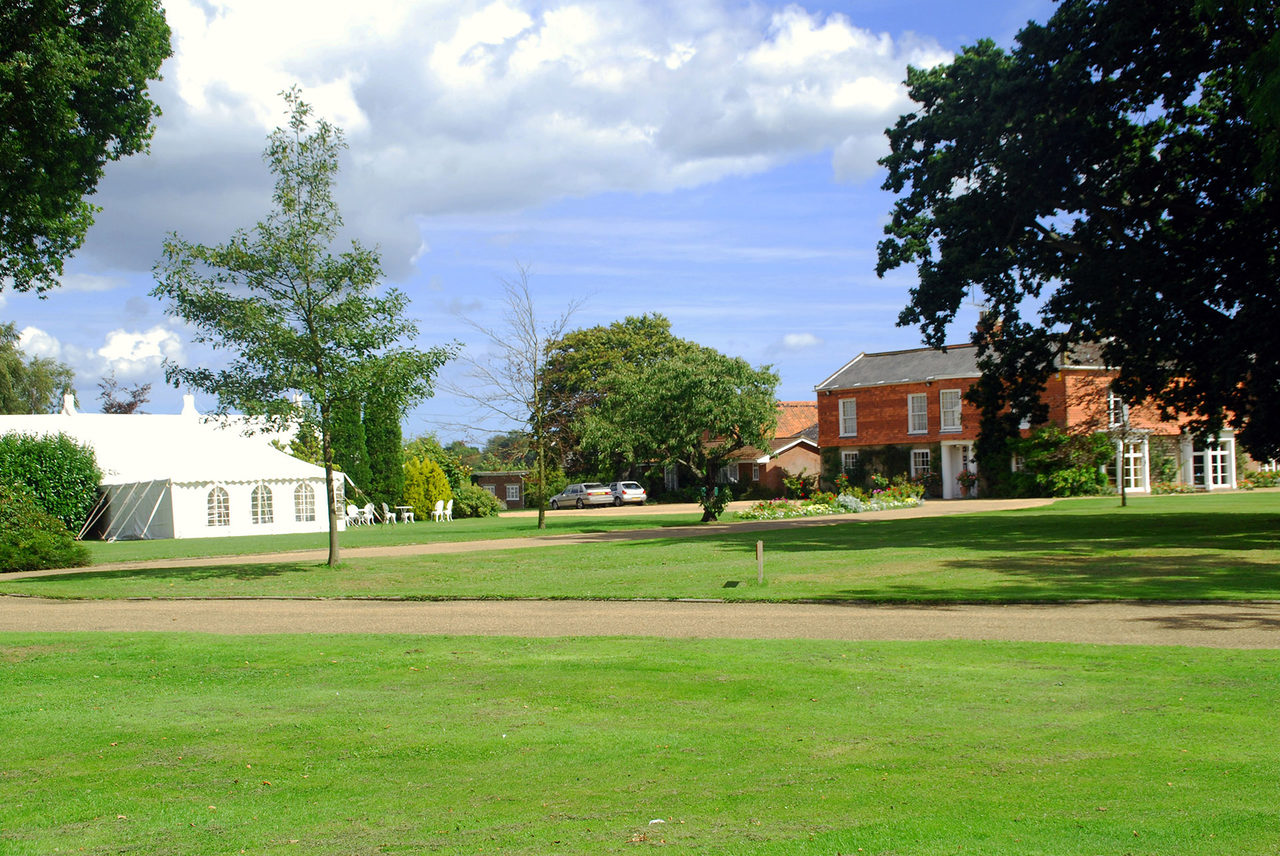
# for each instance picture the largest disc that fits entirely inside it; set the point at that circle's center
(800, 341)
(135, 354)
(495, 105)
(35, 342)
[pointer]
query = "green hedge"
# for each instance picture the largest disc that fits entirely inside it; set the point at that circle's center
(61, 474)
(30, 538)
(471, 500)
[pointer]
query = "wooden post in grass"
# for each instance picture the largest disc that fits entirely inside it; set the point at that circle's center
(759, 563)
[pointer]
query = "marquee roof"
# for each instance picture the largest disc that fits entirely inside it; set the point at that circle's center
(186, 448)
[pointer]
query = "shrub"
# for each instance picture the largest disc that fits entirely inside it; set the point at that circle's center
(471, 500)
(425, 484)
(61, 474)
(1056, 463)
(31, 538)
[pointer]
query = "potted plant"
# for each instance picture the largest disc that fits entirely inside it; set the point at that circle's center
(968, 481)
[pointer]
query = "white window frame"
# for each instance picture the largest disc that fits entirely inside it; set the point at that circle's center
(304, 503)
(1133, 466)
(755, 472)
(848, 417)
(918, 413)
(493, 489)
(218, 503)
(261, 505)
(951, 413)
(848, 460)
(921, 462)
(1117, 410)
(513, 493)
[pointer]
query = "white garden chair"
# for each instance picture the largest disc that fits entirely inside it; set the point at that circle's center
(387, 516)
(353, 515)
(367, 515)
(437, 513)
(448, 510)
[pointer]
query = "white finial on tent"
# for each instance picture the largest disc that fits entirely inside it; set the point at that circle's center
(68, 404)
(189, 405)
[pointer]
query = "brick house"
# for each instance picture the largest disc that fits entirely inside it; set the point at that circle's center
(506, 485)
(904, 411)
(793, 449)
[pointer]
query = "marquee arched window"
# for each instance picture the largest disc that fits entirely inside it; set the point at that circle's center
(260, 504)
(219, 504)
(304, 503)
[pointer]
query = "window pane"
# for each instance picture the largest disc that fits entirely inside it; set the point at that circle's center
(918, 413)
(950, 401)
(848, 417)
(304, 503)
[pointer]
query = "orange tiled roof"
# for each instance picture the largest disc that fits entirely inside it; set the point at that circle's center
(796, 418)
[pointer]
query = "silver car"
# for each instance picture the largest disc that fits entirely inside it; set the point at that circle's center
(628, 492)
(579, 495)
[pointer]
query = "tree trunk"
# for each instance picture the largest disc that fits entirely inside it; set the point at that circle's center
(326, 448)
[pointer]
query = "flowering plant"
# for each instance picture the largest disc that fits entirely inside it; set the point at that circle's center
(967, 479)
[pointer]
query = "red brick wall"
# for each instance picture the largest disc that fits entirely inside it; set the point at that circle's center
(882, 415)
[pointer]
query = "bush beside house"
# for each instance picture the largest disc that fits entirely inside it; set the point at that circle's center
(31, 538)
(61, 474)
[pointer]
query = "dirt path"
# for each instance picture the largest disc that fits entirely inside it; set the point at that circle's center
(1216, 625)
(1255, 625)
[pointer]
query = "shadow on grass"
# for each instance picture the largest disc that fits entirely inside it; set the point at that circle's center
(1048, 556)
(246, 572)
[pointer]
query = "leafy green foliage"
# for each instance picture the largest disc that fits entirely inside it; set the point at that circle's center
(424, 485)
(576, 378)
(61, 474)
(427, 446)
(296, 318)
(696, 408)
(74, 77)
(1059, 464)
(30, 537)
(471, 500)
(350, 451)
(383, 443)
(29, 385)
(536, 494)
(1105, 183)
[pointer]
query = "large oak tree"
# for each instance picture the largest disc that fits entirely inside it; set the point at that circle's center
(73, 96)
(1107, 181)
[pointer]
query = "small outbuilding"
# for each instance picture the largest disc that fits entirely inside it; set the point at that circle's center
(187, 476)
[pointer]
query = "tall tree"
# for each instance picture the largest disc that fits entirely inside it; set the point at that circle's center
(296, 318)
(507, 381)
(350, 448)
(576, 373)
(696, 408)
(73, 78)
(384, 443)
(1105, 182)
(29, 384)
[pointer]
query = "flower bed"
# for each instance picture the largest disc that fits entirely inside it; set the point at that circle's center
(781, 509)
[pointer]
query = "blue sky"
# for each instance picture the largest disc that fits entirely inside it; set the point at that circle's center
(711, 161)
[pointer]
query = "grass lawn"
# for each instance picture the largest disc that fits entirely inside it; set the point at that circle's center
(1161, 548)
(191, 744)
(421, 532)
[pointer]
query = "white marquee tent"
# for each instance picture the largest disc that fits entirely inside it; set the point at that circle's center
(185, 476)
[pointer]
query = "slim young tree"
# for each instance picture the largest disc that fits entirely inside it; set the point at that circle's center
(508, 381)
(295, 318)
